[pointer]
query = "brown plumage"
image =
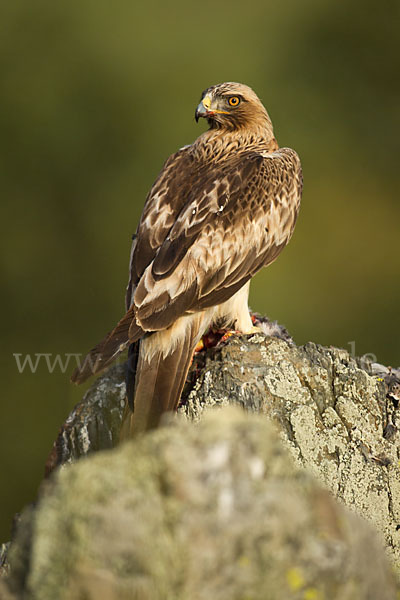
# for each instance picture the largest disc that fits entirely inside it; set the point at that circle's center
(219, 210)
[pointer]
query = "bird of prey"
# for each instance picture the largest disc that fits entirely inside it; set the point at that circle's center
(221, 208)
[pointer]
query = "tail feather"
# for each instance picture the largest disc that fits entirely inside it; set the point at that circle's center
(102, 355)
(130, 376)
(160, 378)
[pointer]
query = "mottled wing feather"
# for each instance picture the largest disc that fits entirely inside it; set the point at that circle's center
(213, 191)
(164, 202)
(237, 217)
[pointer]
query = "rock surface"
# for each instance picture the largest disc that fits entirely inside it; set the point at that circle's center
(337, 418)
(337, 415)
(94, 423)
(218, 510)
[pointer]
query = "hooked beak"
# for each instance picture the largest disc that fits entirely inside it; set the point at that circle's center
(201, 111)
(203, 108)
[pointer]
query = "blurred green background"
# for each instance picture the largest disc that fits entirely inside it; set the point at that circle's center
(95, 95)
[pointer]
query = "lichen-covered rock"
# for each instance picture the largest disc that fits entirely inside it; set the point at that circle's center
(337, 415)
(332, 412)
(217, 510)
(95, 422)
(4, 566)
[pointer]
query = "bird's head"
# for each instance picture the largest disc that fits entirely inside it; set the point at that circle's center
(232, 106)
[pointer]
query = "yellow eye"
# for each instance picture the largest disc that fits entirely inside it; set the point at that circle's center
(233, 101)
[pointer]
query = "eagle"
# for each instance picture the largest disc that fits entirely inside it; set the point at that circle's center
(220, 210)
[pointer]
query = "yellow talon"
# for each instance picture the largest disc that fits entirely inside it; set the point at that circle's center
(253, 329)
(199, 346)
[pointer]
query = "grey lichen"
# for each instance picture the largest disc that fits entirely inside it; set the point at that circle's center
(130, 516)
(334, 413)
(331, 412)
(213, 511)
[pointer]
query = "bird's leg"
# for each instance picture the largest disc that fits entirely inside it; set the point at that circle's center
(255, 328)
(215, 336)
(227, 334)
(211, 338)
(248, 331)
(199, 347)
